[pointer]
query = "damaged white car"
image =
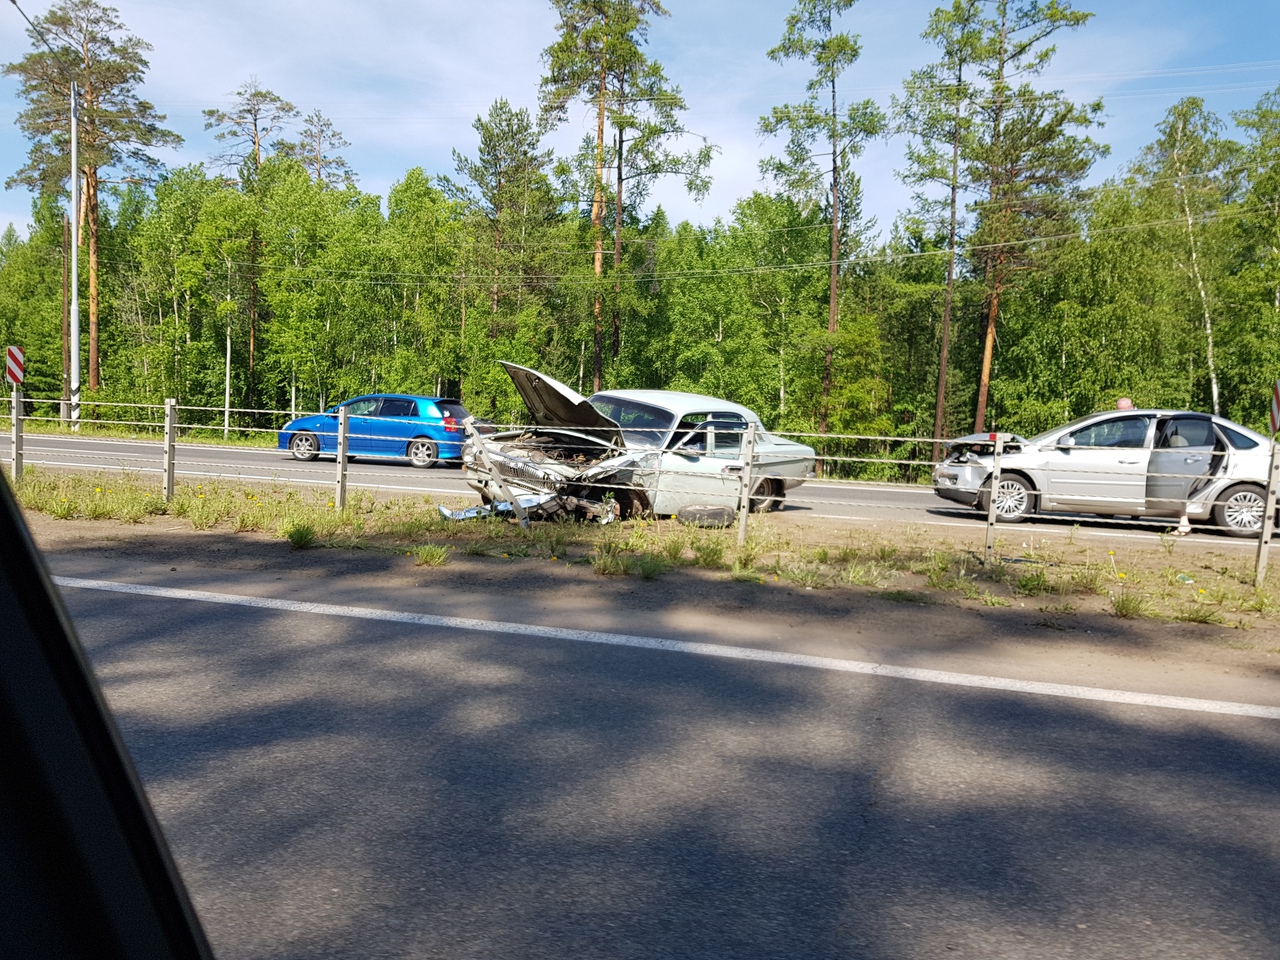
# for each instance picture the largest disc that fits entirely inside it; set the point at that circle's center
(626, 453)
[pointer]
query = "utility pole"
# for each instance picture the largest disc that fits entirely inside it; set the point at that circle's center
(65, 411)
(75, 222)
(75, 263)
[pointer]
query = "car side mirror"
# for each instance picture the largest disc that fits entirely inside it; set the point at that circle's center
(1066, 443)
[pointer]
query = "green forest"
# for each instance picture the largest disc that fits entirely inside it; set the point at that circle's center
(1010, 294)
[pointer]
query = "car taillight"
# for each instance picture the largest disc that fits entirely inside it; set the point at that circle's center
(451, 425)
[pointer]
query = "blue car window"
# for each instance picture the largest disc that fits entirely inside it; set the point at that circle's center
(363, 407)
(397, 407)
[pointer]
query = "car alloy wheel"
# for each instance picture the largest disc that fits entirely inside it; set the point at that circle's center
(1240, 513)
(303, 446)
(1014, 499)
(422, 453)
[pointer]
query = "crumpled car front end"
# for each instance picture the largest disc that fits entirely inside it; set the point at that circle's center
(553, 474)
(960, 475)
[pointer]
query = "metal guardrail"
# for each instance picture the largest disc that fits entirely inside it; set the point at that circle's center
(844, 469)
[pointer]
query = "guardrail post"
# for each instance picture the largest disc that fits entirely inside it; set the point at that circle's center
(1268, 516)
(744, 494)
(170, 445)
(340, 481)
(474, 435)
(989, 553)
(16, 448)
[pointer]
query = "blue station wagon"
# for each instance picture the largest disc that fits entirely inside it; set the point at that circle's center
(423, 430)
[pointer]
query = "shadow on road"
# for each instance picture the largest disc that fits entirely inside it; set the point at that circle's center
(338, 788)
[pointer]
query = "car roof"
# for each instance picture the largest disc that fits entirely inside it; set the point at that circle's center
(682, 404)
(1154, 412)
(403, 396)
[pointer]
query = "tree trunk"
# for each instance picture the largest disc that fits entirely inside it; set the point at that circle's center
(617, 257)
(988, 346)
(1195, 269)
(833, 305)
(940, 410)
(597, 228)
(91, 210)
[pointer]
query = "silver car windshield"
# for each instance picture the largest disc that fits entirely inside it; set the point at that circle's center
(643, 425)
(1065, 428)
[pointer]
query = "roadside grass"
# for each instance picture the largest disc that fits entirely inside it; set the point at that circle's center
(1207, 587)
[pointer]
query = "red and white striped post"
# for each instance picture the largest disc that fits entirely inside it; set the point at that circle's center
(14, 371)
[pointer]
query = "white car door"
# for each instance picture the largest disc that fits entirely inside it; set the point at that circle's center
(1101, 467)
(701, 468)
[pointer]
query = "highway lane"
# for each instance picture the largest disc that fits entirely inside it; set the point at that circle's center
(820, 501)
(347, 788)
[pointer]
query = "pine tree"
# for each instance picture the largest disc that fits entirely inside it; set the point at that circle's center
(1023, 155)
(116, 126)
(316, 149)
(933, 112)
(811, 36)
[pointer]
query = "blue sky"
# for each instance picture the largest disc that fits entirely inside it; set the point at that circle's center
(404, 80)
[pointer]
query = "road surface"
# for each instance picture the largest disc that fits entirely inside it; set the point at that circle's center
(346, 773)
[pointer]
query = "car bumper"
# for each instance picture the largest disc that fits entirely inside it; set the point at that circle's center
(956, 495)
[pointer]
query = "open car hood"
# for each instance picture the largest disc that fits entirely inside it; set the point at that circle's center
(552, 404)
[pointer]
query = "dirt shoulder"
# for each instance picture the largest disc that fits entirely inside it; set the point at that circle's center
(904, 619)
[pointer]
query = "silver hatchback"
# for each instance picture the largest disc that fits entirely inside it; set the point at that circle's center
(1132, 463)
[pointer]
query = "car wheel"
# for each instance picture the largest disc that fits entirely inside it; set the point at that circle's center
(422, 453)
(304, 446)
(767, 496)
(1238, 512)
(1015, 500)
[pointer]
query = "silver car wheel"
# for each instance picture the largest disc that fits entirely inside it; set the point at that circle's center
(422, 453)
(1241, 513)
(303, 446)
(1014, 499)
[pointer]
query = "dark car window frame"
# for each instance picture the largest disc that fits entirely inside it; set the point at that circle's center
(371, 412)
(1146, 433)
(1163, 432)
(1236, 439)
(411, 413)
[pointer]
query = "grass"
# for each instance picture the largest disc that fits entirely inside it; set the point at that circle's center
(651, 566)
(1199, 613)
(299, 533)
(1034, 583)
(1140, 583)
(431, 555)
(1128, 605)
(609, 560)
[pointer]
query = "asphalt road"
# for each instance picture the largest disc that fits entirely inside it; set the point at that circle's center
(840, 502)
(343, 787)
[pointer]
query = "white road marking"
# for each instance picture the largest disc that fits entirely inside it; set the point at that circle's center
(683, 646)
